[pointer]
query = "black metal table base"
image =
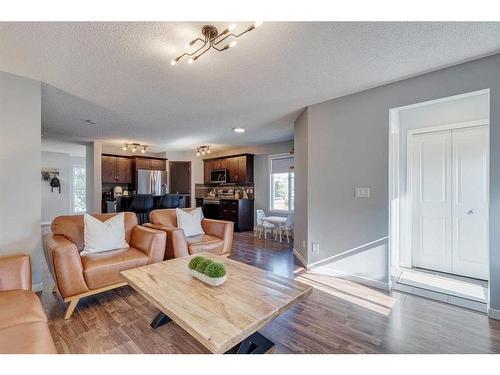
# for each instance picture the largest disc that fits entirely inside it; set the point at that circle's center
(160, 320)
(253, 344)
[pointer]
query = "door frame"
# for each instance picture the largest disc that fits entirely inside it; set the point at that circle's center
(397, 211)
(407, 251)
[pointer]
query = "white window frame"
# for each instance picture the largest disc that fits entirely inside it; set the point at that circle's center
(72, 188)
(270, 183)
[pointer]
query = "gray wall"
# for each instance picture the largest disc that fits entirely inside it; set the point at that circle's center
(53, 203)
(350, 138)
(301, 169)
(20, 150)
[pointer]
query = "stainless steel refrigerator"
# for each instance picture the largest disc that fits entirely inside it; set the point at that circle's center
(151, 182)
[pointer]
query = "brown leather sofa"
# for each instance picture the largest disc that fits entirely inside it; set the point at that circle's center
(77, 275)
(23, 323)
(218, 237)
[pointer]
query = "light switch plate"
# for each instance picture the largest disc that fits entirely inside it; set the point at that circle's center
(362, 192)
(315, 248)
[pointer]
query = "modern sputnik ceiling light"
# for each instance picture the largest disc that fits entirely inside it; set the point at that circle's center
(202, 150)
(212, 39)
(134, 147)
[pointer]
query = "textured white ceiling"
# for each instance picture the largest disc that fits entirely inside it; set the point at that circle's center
(119, 75)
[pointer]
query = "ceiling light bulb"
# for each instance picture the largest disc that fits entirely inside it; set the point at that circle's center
(143, 151)
(124, 148)
(173, 62)
(191, 60)
(198, 153)
(203, 152)
(233, 44)
(134, 149)
(232, 27)
(258, 23)
(208, 151)
(239, 130)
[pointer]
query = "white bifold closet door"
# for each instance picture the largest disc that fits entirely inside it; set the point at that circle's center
(449, 188)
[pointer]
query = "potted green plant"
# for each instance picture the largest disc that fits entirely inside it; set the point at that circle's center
(208, 271)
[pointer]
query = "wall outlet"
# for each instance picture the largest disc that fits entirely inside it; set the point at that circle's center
(362, 192)
(315, 248)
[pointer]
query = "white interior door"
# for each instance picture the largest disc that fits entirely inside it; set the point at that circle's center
(431, 205)
(470, 202)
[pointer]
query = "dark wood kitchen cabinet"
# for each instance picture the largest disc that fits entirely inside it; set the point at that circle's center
(239, 168)
(239, 211)
(116, 169)
(150, 164)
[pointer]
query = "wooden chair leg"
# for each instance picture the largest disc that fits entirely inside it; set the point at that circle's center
(71, 308)
(287, 235)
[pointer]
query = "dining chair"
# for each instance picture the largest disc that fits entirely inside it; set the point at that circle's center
(262, 225)
(287, 227)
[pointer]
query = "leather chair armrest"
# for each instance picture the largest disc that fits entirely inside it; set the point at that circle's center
(177, 246)
(15, 272)
(150, 241)
(65, 264)
(222, 229)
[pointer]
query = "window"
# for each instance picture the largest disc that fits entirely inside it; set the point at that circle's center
(78, 189)
(282, 183)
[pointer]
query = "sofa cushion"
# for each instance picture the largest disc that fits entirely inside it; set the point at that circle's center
(204, 242)
(27, 338)
(103, 269)
(18, 307)
(72, 226)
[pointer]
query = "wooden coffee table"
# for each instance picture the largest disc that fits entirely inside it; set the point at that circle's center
(225, 319)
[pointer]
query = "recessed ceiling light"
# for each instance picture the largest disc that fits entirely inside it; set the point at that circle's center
(91, 122)
(239, 130)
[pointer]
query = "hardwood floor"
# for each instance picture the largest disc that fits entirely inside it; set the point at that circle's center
(338, 317)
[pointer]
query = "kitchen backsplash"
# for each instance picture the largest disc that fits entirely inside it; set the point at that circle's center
(203, 190)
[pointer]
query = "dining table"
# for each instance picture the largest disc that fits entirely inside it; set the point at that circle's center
(277, 221)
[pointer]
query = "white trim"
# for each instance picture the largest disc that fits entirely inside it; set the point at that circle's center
(344, 253)
(299, 257)
(443, 100)
(494, 314)
(37, 287)
(362, 280)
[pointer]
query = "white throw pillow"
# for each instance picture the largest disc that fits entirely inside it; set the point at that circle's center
(104, 236)
(190, 221)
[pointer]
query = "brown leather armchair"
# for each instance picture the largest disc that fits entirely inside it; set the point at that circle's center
(77, 275)
(23, 323)
(218, 237)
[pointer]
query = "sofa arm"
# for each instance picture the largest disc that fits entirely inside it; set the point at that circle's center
(65, 265)
(15, 272)
(150, 241)
(177, 246)
(222, 229)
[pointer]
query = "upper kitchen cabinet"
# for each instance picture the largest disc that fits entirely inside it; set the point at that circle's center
(116, 169)
(150, 164)
(239, 168)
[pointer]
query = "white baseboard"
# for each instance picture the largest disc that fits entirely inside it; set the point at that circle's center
(362, 280)
(37, 287)
(494, 314)
(299, 257)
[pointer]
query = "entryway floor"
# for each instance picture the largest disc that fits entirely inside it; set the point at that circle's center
(455, 290)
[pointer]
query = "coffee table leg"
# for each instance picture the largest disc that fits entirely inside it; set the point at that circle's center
(254, 344)
(160, 320)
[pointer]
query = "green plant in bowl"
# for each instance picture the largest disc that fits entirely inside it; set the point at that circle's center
(193, 263)
(203, 264)
(215, 270)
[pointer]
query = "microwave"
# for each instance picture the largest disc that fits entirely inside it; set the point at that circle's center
(218, 176)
